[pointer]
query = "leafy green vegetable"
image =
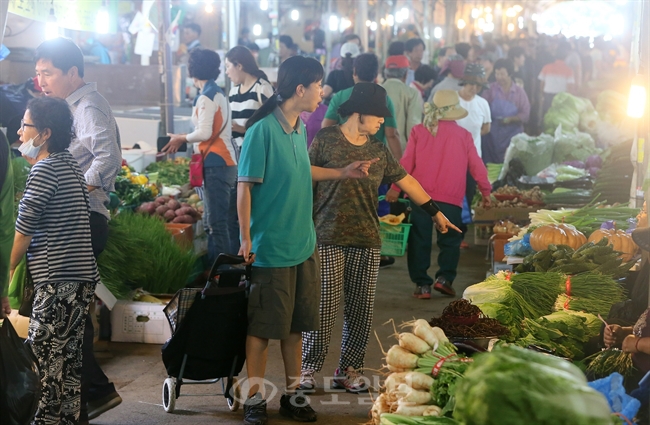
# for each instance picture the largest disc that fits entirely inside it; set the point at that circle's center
(573, 145)
(140, 253)
(514, 386)
(393, 419)
(171, 173)
(606, 362)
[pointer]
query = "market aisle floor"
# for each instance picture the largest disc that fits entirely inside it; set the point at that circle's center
(138, 372)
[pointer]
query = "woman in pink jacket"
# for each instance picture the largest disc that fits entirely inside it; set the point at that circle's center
(438, 155)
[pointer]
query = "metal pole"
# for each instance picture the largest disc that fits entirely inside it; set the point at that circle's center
(167, 105)
(362, 17)
(4, 12)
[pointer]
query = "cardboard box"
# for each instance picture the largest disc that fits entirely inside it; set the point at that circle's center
(134, 321)
(494, 214)
(182, 233)
(498, 242)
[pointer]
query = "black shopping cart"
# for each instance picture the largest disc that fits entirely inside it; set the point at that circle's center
(208, 343)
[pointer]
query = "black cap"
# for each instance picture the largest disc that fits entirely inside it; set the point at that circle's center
(367, 99)
(642, 238)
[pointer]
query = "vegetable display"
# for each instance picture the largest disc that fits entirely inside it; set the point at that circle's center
(170, 210)
(140, 253)
(563, 332)
(425, 369)
(606, 362)
(171, 173)
(599, 257)
(615, 177)
(556, 234)
(619, 240)
(569, 197)
(514, 386)
(461, 319)
(132, 188)
(586, 219)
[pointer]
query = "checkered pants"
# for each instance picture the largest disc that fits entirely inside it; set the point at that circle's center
(353, 271)
(56, 330)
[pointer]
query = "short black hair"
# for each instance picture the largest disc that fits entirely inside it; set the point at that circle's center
(443, 51)
(253, 47)
(424, 74)
(505, 64)
(463, 49)
(204, 64)
(351, 37)
(366, 67)
(563, 50)
(286, 40)
(515, 52)
(396, 48)
(63, 53)
(412, 43)
(194, 27)
(53, 114)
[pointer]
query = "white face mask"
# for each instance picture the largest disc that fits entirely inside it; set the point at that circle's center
(29, 150)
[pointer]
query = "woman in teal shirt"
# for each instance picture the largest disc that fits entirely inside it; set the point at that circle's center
(274, 204)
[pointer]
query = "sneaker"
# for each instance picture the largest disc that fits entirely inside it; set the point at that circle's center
(350, 380)
(422, 292)
(444, 287)
(386, 262)
(104, 404)
(307, 381)
(296, 407)
(255, 411)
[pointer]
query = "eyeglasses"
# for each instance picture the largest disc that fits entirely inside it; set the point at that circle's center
(23, 124)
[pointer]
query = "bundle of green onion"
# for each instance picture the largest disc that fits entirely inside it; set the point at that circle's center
(586, 219)
(140, 253)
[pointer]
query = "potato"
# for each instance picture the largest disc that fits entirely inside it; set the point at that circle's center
(185, 204)
(162, 200)
(173, 204)
(170, 215)
(184, 219)
(161, 210)
(147, 208)
(184, 211)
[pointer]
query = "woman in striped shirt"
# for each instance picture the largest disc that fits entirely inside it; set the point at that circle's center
(250, 89)
(53, 229)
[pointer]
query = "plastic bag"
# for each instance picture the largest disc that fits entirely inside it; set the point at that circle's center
(612, 388)
(535, 153)
(519, 248)
(20, 383)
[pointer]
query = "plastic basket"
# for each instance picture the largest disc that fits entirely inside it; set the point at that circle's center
(394, 238)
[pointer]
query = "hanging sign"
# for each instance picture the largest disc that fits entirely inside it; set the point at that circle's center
(75, 15)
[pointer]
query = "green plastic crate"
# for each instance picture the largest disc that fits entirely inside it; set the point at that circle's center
(394, 238)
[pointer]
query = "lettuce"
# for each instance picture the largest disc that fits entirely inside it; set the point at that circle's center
(514, 386)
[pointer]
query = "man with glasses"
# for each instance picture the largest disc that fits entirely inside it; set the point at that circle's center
(96, 147)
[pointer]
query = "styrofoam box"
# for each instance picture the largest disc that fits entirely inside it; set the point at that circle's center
(135, 158)
(133, 321)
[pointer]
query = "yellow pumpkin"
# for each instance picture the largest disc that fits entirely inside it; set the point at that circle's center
(556, 234)
(620, 241)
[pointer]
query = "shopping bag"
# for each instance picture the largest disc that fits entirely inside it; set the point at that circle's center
(20, 383)
(196, 170)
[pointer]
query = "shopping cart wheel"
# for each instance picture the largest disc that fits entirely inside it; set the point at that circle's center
(169, 395)
(234, 396)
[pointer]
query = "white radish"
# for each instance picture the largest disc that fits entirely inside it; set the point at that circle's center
(407, 394)
(432, 411)
(410, 410)
(418, 381)
(379, 406)
(422, 330)
(394, 379)
(394, 369)
(440, 334)
(412, 343)
(400, 358)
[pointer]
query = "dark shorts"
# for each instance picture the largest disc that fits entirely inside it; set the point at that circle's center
(284, 300)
